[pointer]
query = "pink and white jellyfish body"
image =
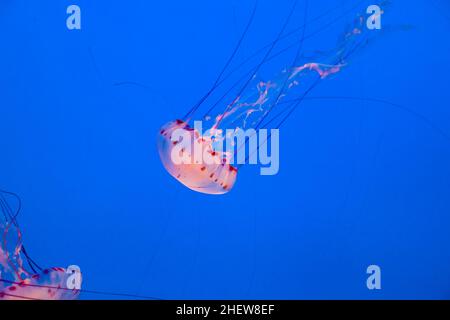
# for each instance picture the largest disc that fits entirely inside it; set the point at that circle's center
(215, 176)
(50, 284)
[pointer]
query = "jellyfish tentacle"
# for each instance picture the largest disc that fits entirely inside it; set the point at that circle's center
(277, 54)
(19, 205)
(266, 56)
(227, 64)
(287, 77)
(33, 265)
(7, 210)
(415, 114)
(16, 268)
(259, 51)
(295, 105)
(24, 284)
(338, 61)
(16, 296)
(285, 81)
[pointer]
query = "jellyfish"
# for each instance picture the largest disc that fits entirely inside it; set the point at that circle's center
(21, 278)
(250, 95)
(213, 177)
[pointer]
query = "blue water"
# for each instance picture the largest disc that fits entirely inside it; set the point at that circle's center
(360, 182)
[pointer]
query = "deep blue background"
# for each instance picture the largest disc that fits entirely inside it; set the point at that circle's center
(360, 183)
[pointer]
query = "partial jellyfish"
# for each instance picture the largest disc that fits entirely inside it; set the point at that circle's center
(250, 99)
(21, 278)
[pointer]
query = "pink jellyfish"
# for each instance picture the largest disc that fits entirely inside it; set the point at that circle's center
(249, 103)
(20, 277)
(213, 177)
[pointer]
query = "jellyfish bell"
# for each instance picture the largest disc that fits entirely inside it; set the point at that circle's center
(50, 284)
(191, 158)
(17, 282)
